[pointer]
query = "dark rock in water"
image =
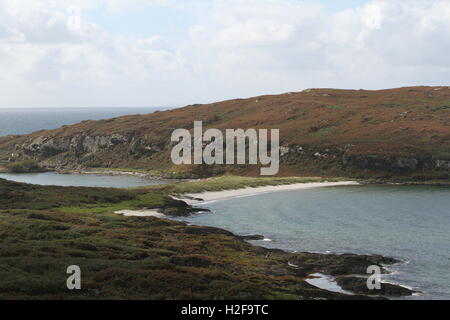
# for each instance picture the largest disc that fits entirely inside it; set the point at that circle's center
(179, 208)
(359, 286)
(310, 292)
(252, 237)
(355, 264)
(181, 211)
(343, 264)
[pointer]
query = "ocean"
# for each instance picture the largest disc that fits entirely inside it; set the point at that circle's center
(27, 120)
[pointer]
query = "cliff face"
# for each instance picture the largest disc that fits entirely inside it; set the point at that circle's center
(83, 150)
(351, 132)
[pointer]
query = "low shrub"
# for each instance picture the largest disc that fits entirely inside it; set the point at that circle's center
(27, 166)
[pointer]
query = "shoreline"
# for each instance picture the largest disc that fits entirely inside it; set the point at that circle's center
(115, 173)
(106, 173)
(142, 213)
(212, 196)
(327, 281)
(152, 176)
(193, 199)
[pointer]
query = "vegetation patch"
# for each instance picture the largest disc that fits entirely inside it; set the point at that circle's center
(324, 131)
(140, 201)
(26, 166)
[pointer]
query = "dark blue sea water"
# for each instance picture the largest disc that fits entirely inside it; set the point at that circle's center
(411, 223)
(27, 120)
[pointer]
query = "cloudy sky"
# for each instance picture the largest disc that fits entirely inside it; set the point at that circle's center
(61, 53)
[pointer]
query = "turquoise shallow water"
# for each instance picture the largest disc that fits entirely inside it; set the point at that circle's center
(411, 223)
(78, 180)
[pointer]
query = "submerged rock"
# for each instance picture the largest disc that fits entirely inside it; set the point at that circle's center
(359, 286)
(252, 237)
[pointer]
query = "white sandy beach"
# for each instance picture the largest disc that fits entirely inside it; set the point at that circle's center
(141, 213)
(229, 194)
(246, 192)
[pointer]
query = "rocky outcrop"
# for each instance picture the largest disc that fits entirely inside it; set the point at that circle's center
(140, 146)
(442, 164)
(382, 163)
(87, 150)
(50, 146)
(292, 149)
(252, 237)
(345, 157)
(359, 286)
(45, 146)
(396, 163)
(84, 147)
(179, 208)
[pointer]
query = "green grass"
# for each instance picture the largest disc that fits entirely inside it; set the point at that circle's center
(130, 258)
(26, 196)
(26, 166)
(148, 200)
(324, 132)
(334, 107)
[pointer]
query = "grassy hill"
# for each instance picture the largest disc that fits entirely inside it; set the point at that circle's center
(401, 132)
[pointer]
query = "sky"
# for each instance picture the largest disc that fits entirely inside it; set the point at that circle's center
(116, 53)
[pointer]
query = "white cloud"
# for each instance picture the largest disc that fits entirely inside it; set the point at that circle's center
(51, 56)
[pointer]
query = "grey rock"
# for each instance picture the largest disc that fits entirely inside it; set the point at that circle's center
(442, 164)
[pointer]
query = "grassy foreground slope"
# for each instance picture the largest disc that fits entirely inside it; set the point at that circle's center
(359, 133)
(43, 230)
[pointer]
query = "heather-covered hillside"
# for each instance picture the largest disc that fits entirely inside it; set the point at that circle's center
(396, 132)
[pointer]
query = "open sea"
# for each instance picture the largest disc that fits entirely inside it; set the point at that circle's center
(27, 120)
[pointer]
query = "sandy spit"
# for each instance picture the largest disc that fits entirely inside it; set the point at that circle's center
(141, 213)
(229, 194)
